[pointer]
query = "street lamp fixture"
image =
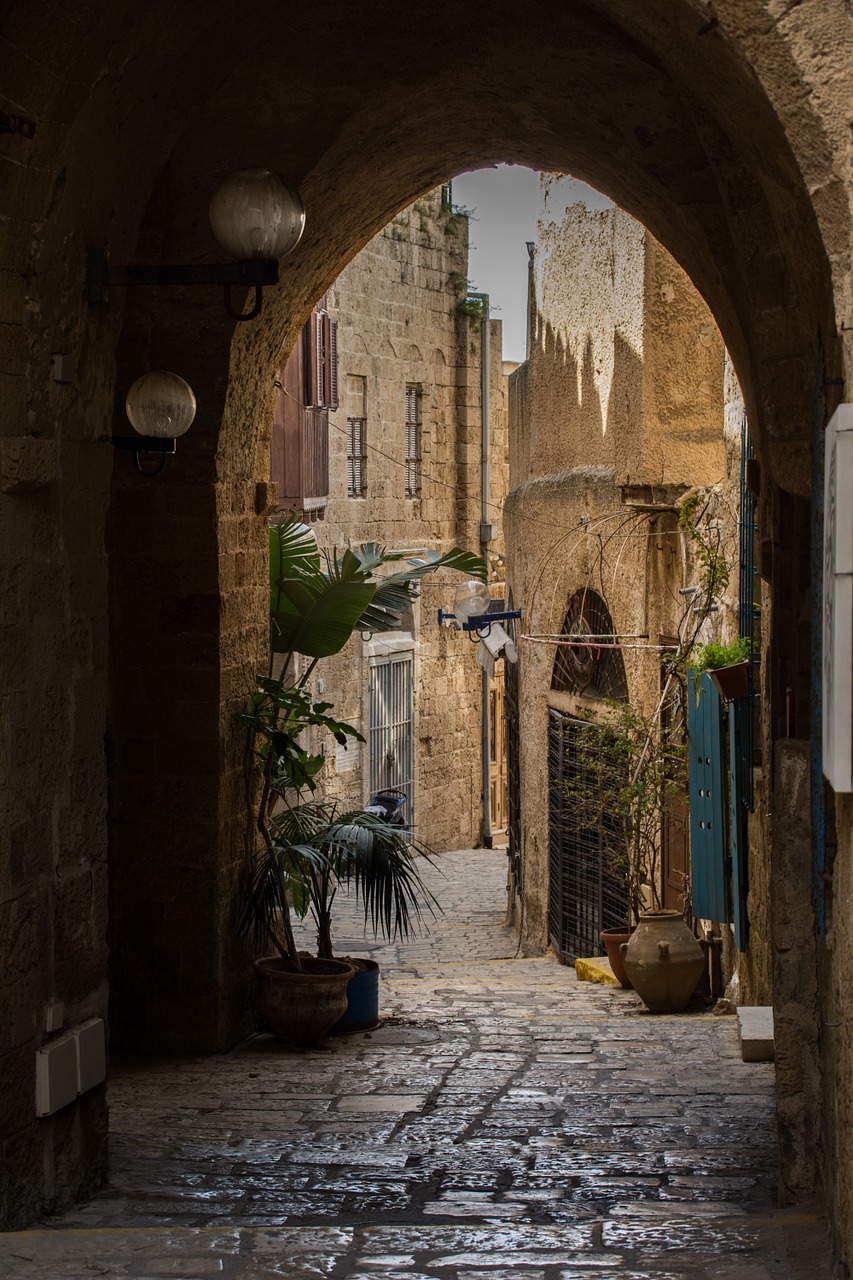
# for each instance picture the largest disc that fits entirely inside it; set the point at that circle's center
(160, 407)
(257, 217)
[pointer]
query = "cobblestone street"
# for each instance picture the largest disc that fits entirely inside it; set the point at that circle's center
(505, 1121)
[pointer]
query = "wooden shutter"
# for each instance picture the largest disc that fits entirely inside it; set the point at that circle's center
(330, 362)
(318, 367)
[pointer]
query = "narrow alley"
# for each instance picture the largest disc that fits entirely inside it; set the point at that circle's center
(505, 1121)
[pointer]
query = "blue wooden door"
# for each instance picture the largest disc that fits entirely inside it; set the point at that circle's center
(707, 814)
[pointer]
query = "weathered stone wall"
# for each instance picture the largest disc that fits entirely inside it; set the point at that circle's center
(396, 306)
(621, 339)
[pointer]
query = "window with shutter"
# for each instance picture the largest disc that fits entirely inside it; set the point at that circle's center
(299, 452)
(356, 436)
(414, 399)
(321, 360)
(330, 362)
(319, 366)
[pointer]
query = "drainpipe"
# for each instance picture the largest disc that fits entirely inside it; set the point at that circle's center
(485, 539)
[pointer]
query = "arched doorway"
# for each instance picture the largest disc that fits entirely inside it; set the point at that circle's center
(703, 126)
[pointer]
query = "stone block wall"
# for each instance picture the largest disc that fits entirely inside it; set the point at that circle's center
(398, 325)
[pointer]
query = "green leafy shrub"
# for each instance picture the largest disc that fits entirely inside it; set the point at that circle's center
(711, 657)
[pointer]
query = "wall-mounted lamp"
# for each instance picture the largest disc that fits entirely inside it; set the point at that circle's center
(160, 407)
(470, 613)
(255, 215)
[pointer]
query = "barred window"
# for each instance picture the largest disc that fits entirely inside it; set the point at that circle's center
(414, 397)
(356, 437)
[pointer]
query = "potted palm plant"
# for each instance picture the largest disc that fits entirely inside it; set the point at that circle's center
(302, 848)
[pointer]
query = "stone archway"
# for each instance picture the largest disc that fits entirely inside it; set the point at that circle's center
(723, 130)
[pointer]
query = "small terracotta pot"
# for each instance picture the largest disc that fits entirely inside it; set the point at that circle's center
(664, 961)
(732, 682)
(612, 940)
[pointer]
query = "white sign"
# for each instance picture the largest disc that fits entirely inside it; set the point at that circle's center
(838, 601)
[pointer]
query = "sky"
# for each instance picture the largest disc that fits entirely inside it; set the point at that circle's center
(503, 203)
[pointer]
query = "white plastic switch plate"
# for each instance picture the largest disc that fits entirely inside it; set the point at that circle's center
(56, 1075)
(91, 1054)
(54, 1015)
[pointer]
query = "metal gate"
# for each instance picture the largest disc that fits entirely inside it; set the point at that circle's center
(585, 895)
(513, 748)
(390, 728)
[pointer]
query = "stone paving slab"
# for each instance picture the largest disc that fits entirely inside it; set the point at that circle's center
(506, 1120)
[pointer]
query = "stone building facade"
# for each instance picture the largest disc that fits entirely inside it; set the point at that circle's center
(405, 472)
(616, 416)
(134, 609)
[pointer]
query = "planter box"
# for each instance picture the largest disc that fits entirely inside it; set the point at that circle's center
(732, 682)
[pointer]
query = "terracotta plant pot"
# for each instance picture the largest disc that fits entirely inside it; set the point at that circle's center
(664, 961)
(612, 940)
(362, 1011)
(302, 1006)
(732, 682)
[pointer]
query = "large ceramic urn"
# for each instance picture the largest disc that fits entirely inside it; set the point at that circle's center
(302, 1006)
(663, 960)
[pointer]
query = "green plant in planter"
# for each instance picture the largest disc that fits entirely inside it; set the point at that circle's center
(302, 849)
(716, 655)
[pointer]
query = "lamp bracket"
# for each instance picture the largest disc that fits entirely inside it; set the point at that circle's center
(479, 626)
(100, 275)
(145, 444)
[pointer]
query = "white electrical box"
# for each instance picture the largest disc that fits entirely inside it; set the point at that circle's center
(838, 601)
(56, 1075)
(54, 1016)
(90, 1040)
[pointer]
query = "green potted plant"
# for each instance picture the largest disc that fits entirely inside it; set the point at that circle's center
(301, 850)
(726, 664)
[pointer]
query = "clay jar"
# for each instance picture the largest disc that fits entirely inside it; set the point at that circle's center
(663, 960)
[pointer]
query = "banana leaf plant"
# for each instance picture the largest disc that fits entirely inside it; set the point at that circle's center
(318, 600)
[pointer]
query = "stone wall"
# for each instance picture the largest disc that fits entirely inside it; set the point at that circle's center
(624, 354)
(398, 324)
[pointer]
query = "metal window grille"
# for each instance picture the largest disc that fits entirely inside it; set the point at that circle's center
(356, 457)
(585, 891)
(391, 728)
(414, 399)
(597, 673)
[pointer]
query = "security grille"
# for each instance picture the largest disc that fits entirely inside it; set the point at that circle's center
(597, 671)
(390, 732)
(513, 752)
(585, 893)
(414, 399)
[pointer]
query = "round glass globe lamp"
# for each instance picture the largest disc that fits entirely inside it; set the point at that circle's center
(160, 404)
(472, 600)
(255, 213)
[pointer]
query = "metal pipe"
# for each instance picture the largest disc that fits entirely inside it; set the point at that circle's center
(485, 538)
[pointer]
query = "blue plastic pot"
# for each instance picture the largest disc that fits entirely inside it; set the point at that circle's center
(362, 1011)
